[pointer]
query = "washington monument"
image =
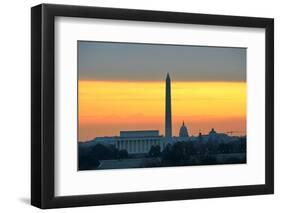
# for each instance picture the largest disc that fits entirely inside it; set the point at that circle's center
(168, 109)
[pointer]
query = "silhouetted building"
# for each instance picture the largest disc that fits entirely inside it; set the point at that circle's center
(183, 131)
(138, 141)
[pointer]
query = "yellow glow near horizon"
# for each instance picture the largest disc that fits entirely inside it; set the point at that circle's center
(106, 107)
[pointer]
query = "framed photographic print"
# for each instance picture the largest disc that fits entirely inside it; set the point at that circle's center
(139, 106)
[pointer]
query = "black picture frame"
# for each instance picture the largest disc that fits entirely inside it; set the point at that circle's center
(43, 102)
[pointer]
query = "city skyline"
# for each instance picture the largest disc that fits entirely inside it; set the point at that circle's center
(108, 104)
(146, 148)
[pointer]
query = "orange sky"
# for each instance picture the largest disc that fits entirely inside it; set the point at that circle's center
(106, 107)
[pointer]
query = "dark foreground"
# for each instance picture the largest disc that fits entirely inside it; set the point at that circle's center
(179, 154)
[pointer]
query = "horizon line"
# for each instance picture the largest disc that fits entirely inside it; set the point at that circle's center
(85, 141)
(162, 81)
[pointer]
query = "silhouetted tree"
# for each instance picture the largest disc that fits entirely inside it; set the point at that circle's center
(86, 159)
(154, 151)
(103, 152)
(177, 154)
(212, 147)
(123, 154)
(89, 157)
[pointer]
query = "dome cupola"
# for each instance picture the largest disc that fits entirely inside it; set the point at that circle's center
(212, 135)
(183, 131)
(212, 132)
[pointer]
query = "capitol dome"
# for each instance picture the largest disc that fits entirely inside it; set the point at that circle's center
(183, 131)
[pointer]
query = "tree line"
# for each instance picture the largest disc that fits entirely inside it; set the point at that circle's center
(177, 154)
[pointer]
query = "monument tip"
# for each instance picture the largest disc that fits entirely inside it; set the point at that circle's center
(168, 76)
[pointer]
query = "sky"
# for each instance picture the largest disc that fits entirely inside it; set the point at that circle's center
(122, 87)
(145, 62)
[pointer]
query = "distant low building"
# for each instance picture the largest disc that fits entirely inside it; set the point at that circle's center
(139, 141)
